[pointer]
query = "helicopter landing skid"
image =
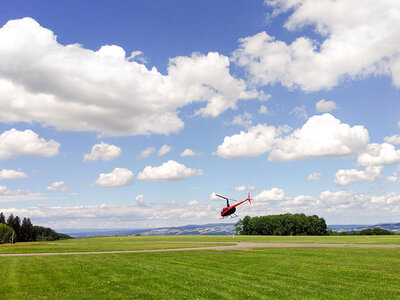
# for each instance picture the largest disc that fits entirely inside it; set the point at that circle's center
(231, 216)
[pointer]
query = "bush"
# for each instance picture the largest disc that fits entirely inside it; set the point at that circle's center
(7, 234)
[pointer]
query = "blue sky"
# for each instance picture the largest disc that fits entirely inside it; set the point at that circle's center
(132, 114)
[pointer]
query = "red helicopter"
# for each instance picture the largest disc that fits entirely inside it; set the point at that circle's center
(230, 210)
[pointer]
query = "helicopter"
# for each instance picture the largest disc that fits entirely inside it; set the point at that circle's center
(230, 210)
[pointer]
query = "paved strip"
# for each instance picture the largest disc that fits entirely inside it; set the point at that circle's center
(238, 246)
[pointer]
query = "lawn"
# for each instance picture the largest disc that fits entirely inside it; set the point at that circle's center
(273, 273)
(102, 244)
(180, 241)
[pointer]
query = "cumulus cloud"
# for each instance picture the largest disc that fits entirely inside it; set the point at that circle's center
(188, 152)
(393, 178)
(315, 176)
(7, 195)
(14, 143)
(273, 194)
(164, 150)
(103, 151)
(345, 177)
(341, 206)
(72, 88)
(139, 199)
(256, 141)
(57, 186)
(359, 39)
(214, 197)
(240, 188)
(12, 174)
(321, 135)
(168, 171)
(379, 154)
(243, 120)
(325, 106)
(263, 109)
(146, 152)
(300, 112)
(118, 177)
(394, 139)
(117, 216)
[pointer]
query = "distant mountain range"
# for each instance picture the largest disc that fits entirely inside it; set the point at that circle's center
(207, 229)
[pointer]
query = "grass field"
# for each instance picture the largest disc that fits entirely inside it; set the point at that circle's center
(262, 273)
(101, 244)
(180, 241)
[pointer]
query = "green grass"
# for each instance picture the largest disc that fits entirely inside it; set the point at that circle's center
(269, 273)
(100, 244)
(180, 241)
(383, 239)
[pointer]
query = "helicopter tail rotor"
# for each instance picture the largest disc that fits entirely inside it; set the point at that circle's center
(248, 198)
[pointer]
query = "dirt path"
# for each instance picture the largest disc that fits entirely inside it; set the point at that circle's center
(238, 246)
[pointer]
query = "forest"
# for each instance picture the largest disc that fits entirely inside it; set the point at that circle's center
(14, 230)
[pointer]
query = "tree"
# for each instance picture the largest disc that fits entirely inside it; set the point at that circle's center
(7, 234)
(2, 218)
(26, 231)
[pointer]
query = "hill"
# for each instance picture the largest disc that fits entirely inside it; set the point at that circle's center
(206, 229)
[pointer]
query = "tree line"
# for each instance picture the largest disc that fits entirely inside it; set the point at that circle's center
(283, 224)
(366, 231)
(14, 230)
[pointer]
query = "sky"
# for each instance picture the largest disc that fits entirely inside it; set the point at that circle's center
(132, 114)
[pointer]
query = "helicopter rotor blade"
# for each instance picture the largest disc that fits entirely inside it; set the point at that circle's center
(218, 195)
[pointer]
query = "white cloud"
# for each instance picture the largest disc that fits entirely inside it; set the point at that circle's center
(146, 152)
(379, 154)
(325, 106)
(117, 216)
(256, 141)
(118, 177)
(168, 171)
(73, 88)
(214, 197)
(193, 203)
(390, 198)
(251, 188)
(360, 39)
(7, 195)
(164, 150)
(393, 178)
(57, 186)
(14, 142)
(103, 151)
(300, 112)
(273, 194)
(398, 124)
(263, 109)
(188, 152)
(336, 207)
(242, 120)
(12, 174)
(240, 188)
(139, 199)
(315, 176)
(345, 177)
(394, 139)
(321, 135)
